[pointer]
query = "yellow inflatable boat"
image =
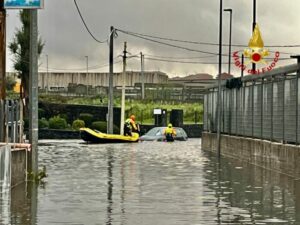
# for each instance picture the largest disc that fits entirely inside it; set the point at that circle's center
(94, 136)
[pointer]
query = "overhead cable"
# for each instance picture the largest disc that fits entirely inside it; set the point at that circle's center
(204, 43)
(168, 44)
(87, 28)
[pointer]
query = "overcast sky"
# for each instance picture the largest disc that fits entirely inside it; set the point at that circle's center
(68, 42)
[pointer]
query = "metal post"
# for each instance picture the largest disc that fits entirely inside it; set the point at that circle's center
(283, 111)
(33, 91)
(143, 75)
(87, 71)
(219, 84)
(262, 109)
(242, 69)
(47, 76)
(253, 27)
(123, 90)
(2, 50)
(230, 32)
(272, 96)
(252, 103)
(110, 120)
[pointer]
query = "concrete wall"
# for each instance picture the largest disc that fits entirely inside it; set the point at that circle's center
(18, 166)
(283, 158)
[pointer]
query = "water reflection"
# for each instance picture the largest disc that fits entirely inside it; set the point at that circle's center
(152, 183)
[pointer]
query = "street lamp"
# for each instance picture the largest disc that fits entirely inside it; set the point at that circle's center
(219, 85)
(253, 27)
(230, 31)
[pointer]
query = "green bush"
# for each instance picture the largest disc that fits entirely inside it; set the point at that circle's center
(57, 123)
(41, 113)
(87, 118)
(77, 124)
(43, 123)
(63, 116)
(102, 127)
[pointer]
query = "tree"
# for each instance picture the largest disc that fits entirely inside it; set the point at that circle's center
(20, 47)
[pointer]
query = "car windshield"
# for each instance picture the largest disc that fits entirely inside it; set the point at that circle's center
(154, 131)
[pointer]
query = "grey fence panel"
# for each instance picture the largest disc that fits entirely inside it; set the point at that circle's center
(205, 109)
(257, 98)
(239, 112)
(267, 104)
(248, 111)
(214, 116)
(233, 110)
(210, 112)
(290, 111)
(226, 112)
(278, 110)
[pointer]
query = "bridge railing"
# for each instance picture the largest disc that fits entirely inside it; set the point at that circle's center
(259, 106)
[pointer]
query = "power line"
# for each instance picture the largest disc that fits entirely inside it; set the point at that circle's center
(180, 57)
(199, 62)
(203, 43)
(167, 44)
(82, 19)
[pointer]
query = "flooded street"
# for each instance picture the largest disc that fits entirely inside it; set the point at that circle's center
(150, 183)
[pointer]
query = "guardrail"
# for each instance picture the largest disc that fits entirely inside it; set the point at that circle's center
(264, 107)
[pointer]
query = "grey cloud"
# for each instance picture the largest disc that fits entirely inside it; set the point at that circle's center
(67, 41)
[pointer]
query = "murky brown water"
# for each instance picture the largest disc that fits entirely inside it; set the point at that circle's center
(150, 183)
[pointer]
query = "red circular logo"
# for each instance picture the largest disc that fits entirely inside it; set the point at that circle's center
(256, 57)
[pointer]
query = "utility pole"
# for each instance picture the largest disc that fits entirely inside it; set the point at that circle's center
(2, 49)
(143, 75)
(110, 119)
(2, 63)
(123, 90)
(33, 91)
(47, 76)
(219, 105)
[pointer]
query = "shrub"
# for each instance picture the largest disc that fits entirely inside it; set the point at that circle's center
(77, 124)
(41, 113)
(43, 123)
(87, 118)
(102, 127)
(57, 123)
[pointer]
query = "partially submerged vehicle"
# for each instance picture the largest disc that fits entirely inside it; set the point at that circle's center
(157, 134)
(94, 136)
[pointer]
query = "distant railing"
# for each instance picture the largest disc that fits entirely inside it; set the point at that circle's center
(152, 92)
(11, 121)
(259, 106)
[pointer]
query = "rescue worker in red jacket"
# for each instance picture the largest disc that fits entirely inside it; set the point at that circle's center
(170, 133)
(130, 126)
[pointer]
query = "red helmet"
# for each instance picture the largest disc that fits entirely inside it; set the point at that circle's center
(132, 117)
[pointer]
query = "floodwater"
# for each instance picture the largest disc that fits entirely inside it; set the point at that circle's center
(150, 183)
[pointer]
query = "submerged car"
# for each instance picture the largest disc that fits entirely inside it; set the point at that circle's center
(157, 134)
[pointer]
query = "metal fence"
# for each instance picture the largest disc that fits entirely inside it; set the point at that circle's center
(11, 122)
(264, 107)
